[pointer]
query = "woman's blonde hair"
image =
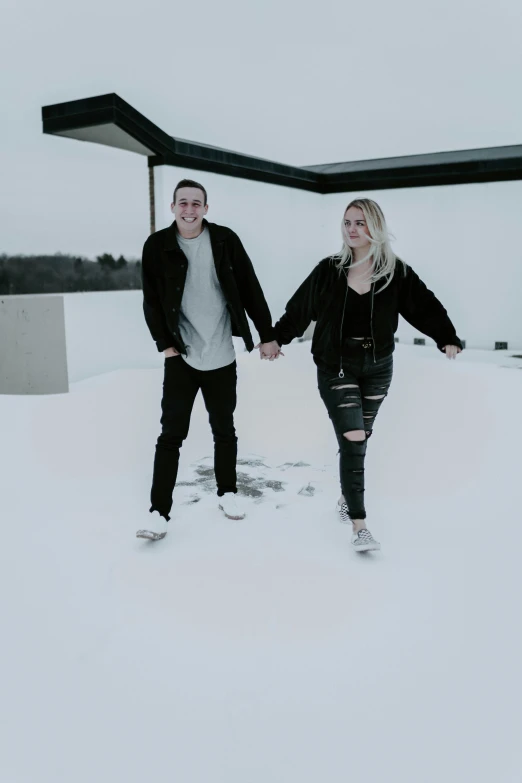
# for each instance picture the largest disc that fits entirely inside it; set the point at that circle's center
(383, 258)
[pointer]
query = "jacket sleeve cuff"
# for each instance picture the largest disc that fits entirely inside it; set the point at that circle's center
(453, 340)
(162, 345)
(267, 335)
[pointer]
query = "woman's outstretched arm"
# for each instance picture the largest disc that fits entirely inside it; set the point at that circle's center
(421, 308)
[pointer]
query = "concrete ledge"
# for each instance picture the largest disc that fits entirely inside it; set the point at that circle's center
(33, 357)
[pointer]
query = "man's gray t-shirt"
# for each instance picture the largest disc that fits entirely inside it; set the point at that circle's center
(204, 321)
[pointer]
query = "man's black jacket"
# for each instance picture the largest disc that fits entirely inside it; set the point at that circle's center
(164, 270)
(322, 298)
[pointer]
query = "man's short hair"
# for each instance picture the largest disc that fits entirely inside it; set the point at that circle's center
(189, 183)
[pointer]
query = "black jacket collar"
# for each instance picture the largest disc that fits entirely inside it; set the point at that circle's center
(217, 234)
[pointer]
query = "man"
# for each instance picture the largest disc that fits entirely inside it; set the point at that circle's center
(198, 282)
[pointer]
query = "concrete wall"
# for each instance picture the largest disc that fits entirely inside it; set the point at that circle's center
(32, 346)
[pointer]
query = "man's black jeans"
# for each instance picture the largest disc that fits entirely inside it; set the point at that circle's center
(180, 387)
(349, 406)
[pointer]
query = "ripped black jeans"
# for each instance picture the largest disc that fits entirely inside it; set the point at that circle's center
(350, 406)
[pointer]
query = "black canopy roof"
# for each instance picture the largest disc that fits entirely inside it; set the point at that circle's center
(107, 119)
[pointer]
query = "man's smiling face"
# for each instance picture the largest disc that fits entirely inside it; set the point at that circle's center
(189, 209)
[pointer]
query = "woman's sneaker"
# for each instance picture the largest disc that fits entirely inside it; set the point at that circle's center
(232, 506)
(342, 510)
(156, 530)
(363, 541)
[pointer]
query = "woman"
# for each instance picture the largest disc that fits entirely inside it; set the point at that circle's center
(356, 297)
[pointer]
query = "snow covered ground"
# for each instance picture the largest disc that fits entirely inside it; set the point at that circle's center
(265, 650)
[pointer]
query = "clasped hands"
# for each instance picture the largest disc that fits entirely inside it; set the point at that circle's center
(269, 350)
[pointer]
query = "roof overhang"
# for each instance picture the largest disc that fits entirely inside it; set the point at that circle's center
(109, 120)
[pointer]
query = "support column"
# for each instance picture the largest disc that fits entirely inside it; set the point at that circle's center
(152, 204)
(162, 196)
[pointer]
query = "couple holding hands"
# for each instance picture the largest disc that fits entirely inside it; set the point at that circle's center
(199, 285)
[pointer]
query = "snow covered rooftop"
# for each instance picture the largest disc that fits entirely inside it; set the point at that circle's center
(265, 650)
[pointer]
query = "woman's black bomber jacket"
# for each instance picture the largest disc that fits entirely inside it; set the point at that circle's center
(321, 298)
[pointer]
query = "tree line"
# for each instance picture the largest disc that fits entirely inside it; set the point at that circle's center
(60, 273)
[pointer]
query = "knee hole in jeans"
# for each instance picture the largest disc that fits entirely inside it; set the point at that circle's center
(353, 433)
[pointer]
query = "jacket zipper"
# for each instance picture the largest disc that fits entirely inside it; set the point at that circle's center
(371, 324)
(341, 371)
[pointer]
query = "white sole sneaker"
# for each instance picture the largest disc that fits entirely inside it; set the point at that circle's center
(367, 547)
(236, 517)
(363, 541)
(149, 535)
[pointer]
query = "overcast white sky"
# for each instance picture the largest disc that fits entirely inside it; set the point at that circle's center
(300, 84)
